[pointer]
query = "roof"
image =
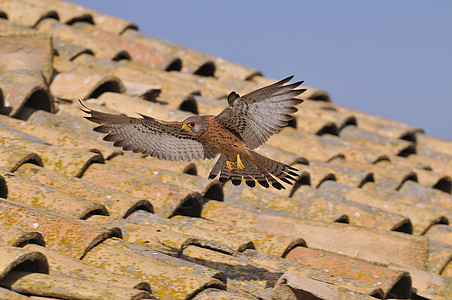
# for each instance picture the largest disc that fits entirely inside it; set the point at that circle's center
(369, 216)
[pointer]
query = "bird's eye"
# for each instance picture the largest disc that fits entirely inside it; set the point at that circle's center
(191, 124)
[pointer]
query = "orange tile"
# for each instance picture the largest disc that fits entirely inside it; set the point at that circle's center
(67, 235)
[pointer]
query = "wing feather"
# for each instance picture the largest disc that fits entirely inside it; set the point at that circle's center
(258, 115)
(161, 139)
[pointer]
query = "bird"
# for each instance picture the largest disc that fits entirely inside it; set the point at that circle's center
(245, 124)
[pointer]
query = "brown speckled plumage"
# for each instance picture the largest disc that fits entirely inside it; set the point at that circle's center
(244, 125)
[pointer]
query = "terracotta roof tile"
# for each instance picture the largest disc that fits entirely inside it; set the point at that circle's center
(13, 236)
(397, 283)
(64, 265)
(166, 198)
(274, 244)
(76, 211)
(166, 281)
(421, 217)
(118, 205)
(26, 260)
(293, 286)
(428, 285)
(58, 286)
(64, 234)
(27, 13)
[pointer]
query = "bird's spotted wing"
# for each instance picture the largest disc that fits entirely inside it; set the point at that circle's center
(258, 115)
(161, 139)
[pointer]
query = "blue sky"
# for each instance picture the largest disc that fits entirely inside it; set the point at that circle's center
(387, 58)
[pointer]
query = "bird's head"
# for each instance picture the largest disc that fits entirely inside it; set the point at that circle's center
(195, 125)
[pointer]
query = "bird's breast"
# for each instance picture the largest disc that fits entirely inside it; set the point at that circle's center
(218, 137)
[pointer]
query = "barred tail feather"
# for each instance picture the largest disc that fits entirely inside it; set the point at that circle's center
(260, 168)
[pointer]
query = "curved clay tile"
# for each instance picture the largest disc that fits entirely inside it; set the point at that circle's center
(236, 243)
(136, 51)
(26, 63)
(167, 281)
(363, 138)
(61, 233)
(166, 199)
(354, 241)
(351, 152)
(440, 257)
(71, 13)
(71, 162)
(427, 194)
(381, 125)
(9, 132)
(426, 284)
(33, 283)
(72, 35)
(31, 193)
(195, 183)
(132, 105)
(441, 233)
(142, 90)
(63, 264)
(434, 143)
(304, 145)
(421, 218)
(278, 245)
(16, 237)
(175, 93)
(22, 259)
(11, 159)
(72, 86)
(118, 205)
(68, 12)
(292, 286)
(69, 51)
(394, 282)
(27, 13)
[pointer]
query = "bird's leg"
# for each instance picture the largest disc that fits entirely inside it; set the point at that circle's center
(240, 165)
(230, 165)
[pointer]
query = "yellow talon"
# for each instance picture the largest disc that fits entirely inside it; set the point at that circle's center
(240, 165)
(230, 165)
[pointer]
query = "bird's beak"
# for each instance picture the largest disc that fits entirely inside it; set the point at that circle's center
(185, 127)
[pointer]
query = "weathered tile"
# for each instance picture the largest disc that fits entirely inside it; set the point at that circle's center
(118, 205)
(71, 162)
(11, 159)
(167, 199)
(293, 286)
(236, 243)
(362, 138)
(69, 288)
(441, 233)
(350, 240)
(166, 281)
(73, 35)
(27, 13)
(426, 284)
(64, 265)
(17, 237)
(67, 235)
(28, 260)
(138, 52)
(427, 195)
(440, 256)
(274, 244)
(421, 217)
(389, 281)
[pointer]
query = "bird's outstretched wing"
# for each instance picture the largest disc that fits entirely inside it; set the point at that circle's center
(161, 139)
(258, 115)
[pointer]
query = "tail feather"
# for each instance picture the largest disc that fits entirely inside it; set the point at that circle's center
(260, 168)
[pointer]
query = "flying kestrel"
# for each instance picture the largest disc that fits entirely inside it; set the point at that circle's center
(247, 123)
